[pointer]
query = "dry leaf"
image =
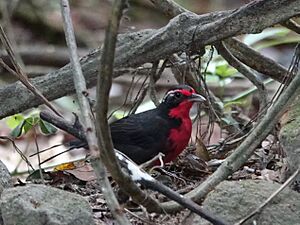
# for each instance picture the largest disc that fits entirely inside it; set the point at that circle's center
(201, 150)
(84, 173)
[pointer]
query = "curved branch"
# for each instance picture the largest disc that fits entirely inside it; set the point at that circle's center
(248, 73)
(255, 60)
(135, 49)
(104, 82)
(89, 128)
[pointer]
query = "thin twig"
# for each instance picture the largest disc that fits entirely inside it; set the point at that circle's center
(15, 171)
(20, 74)
(140, 218)
(18, 150)
(142, 93)
(79, 81)
(39, 158)
(149, 87)
(62, 124)
(80, 86)
(259, 209)
(153, 79)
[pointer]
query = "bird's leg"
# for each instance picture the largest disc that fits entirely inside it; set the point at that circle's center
(158, 157)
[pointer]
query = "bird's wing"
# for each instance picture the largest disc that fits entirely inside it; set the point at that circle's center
(135, 130)
(140, 136)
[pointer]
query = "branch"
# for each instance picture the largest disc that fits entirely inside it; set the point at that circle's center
(135, 49)
(244, 53)
(255, 60)
(42, 55)
(292, 25)
(89, 129)
(151, 183)
(103, 131)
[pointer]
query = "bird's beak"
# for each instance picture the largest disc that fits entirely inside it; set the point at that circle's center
(196, 98)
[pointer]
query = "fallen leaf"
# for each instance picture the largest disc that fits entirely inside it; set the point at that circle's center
(84, 173)
(201, 150)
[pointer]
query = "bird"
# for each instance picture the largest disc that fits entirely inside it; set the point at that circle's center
(165, 129)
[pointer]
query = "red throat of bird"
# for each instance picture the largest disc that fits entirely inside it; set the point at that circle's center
(180, 136)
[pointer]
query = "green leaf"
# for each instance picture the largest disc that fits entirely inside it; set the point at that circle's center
(27, 126)
(20, 124)
(225, 71)
(17, 131)
(46, 127)
(13, 121)
(30, 122)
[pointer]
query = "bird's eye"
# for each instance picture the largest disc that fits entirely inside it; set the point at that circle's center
(177, 94)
